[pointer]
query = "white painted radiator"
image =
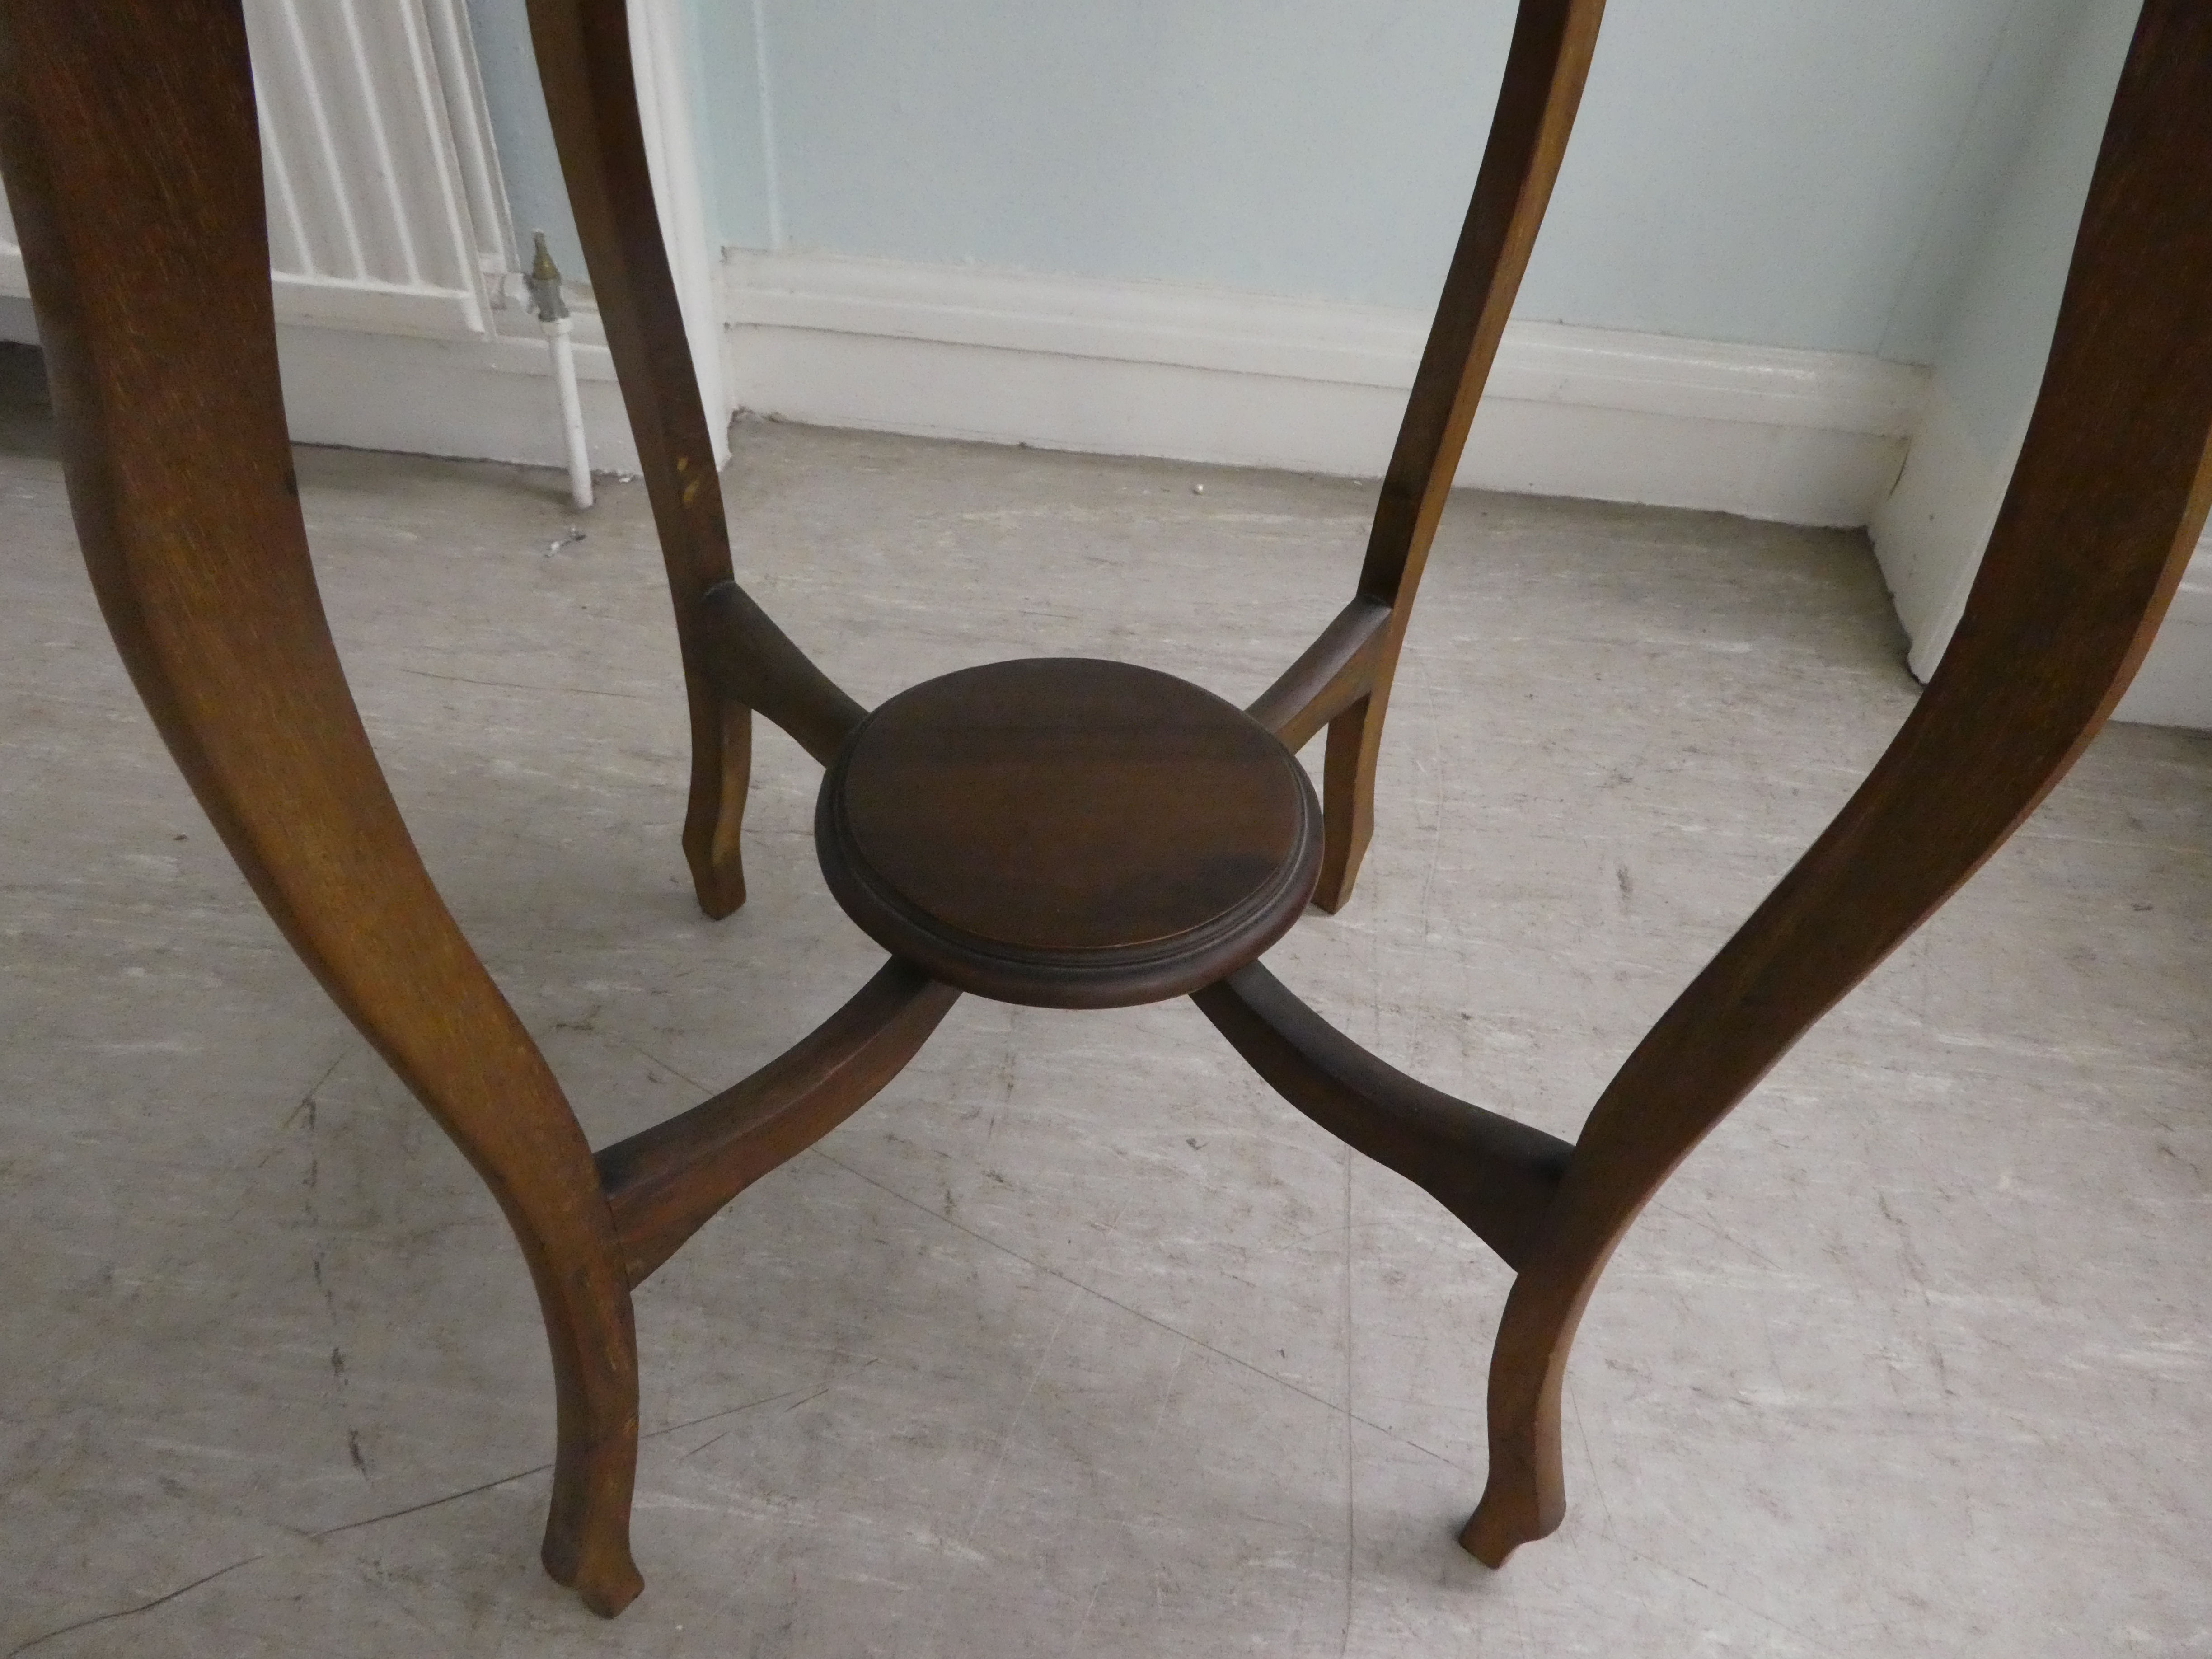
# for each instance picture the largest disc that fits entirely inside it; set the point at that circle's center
(386, 213)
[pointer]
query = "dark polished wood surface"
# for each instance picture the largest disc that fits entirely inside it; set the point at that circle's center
(1068, 832)
(2104, 510)
(1075, 832)
(664, 1183)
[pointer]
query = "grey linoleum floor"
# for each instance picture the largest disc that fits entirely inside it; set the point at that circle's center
(1078, 1341)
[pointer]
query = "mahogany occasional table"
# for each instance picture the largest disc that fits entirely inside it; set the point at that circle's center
(1059, 832)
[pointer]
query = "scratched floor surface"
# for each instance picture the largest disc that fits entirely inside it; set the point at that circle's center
(1078, 1341)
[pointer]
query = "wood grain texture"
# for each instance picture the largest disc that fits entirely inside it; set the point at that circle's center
(666, 1182)
(128, 137)
(753, 662)
(1333, 673)
(1545, 69)
(1068, 833)
(1496, 1176)
(584, 65)
(2103, 512)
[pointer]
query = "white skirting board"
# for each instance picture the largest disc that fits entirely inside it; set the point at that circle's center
(1929, 535)
(1198, 374)
(1928, 532)
(1149, 369)
(490, 398)
(1248, 380)
(485, 397)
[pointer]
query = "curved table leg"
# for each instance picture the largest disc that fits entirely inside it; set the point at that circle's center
(591, 92)
(2103, 511)
(128, 135)
(1545, 69)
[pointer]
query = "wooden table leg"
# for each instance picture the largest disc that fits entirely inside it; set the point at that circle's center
(584, 64)
(2103, 512)
(128, 139)
(1349, 690)
(133, 163)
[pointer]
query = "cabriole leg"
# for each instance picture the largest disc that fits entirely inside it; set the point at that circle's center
(584, 64)
(2101, 516)
(133, 164)
(1545, 66)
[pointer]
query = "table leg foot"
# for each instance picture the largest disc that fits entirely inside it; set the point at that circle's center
(1525, 1498)
(721, 773)
(594, 1343)
(597, 1565)
(1355, 739)
(1512, 1512)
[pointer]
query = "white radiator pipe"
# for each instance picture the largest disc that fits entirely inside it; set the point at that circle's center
(552, 313)
(558, 334)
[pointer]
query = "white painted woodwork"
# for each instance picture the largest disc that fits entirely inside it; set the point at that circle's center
(469, 120)
(1930, 532)
(390, 246)
(663, 68)
(370, 220)
(1139, 368)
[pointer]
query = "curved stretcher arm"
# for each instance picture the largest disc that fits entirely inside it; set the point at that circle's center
(754, 662)
(665, 1182)
(1496, 1176)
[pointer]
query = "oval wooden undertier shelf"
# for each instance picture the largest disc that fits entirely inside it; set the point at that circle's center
(1068, 833)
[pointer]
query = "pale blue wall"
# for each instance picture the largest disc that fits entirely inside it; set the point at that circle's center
(1807, 174)
(731, 159)
(1799, 173)
(726, 100)
(1989, 362)
(1991, 357)
(1789, 173)
(521, 131)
